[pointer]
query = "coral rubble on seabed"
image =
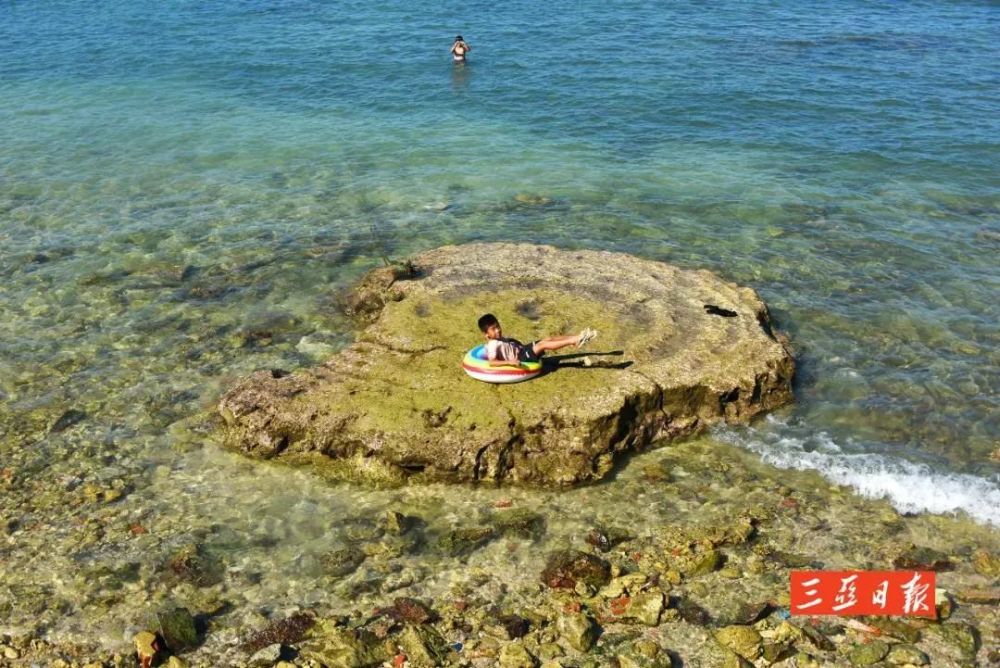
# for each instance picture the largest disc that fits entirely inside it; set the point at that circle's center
(705, 582)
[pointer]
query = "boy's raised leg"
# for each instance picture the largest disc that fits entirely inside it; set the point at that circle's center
(557, 342)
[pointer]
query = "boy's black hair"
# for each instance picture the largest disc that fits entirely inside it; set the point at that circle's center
(486, 321)
(458, 38)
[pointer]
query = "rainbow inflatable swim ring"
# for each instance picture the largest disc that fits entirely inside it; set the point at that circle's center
(477, 366)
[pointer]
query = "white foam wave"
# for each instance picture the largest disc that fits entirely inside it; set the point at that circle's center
(909, 487)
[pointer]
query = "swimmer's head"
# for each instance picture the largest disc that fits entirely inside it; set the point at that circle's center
(458, 38)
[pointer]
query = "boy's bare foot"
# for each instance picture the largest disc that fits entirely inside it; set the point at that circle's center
(585, 337)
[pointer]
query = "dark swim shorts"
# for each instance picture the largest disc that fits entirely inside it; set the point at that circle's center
(527, 353)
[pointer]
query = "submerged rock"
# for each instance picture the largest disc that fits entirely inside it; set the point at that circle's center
(514, 626)
(266, 657)
(895, 628)
(176, 627)
(577, 630)
(566, 568)
(774, 652)
(606, 538)
(335, 647)
(738, 612)
(342, 562)
(423, 646)
(532, 198)
(267, 325)
(67, 420)
(817, 638)
(520, 524)
(411, 610)
(515, 655)
(462, 541)
(397, 399)
(645, 607)
(285, 631)
(398, 523)
(906, 655)
(741, 639)
(924, 559)
(193, 563)
(700, 563)
(868, 654)
(691, 612)
(989, 596)
(962, 637)
(734, 660)
(147, 648)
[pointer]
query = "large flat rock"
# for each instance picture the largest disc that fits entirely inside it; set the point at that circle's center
(397, 403)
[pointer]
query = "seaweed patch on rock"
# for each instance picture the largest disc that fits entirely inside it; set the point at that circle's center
(396, 405)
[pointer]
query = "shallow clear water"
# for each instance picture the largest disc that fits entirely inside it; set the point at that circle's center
(177, 176)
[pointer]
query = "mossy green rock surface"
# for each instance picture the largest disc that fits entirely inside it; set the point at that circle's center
(342, 648)
(577, 630)
(423, 645)
(962, 637)
(906, 655)
(176, 627)
(515, 655)
(741, 639)
(397, 404)
(868, 654)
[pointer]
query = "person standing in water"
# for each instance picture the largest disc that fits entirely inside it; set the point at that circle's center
(459, 49)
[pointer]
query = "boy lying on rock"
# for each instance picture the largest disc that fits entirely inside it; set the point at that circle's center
(511, 352)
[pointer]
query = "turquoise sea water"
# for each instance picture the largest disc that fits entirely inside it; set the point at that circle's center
(177, 176)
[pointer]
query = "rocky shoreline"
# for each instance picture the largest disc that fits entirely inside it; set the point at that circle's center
(705, 587)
